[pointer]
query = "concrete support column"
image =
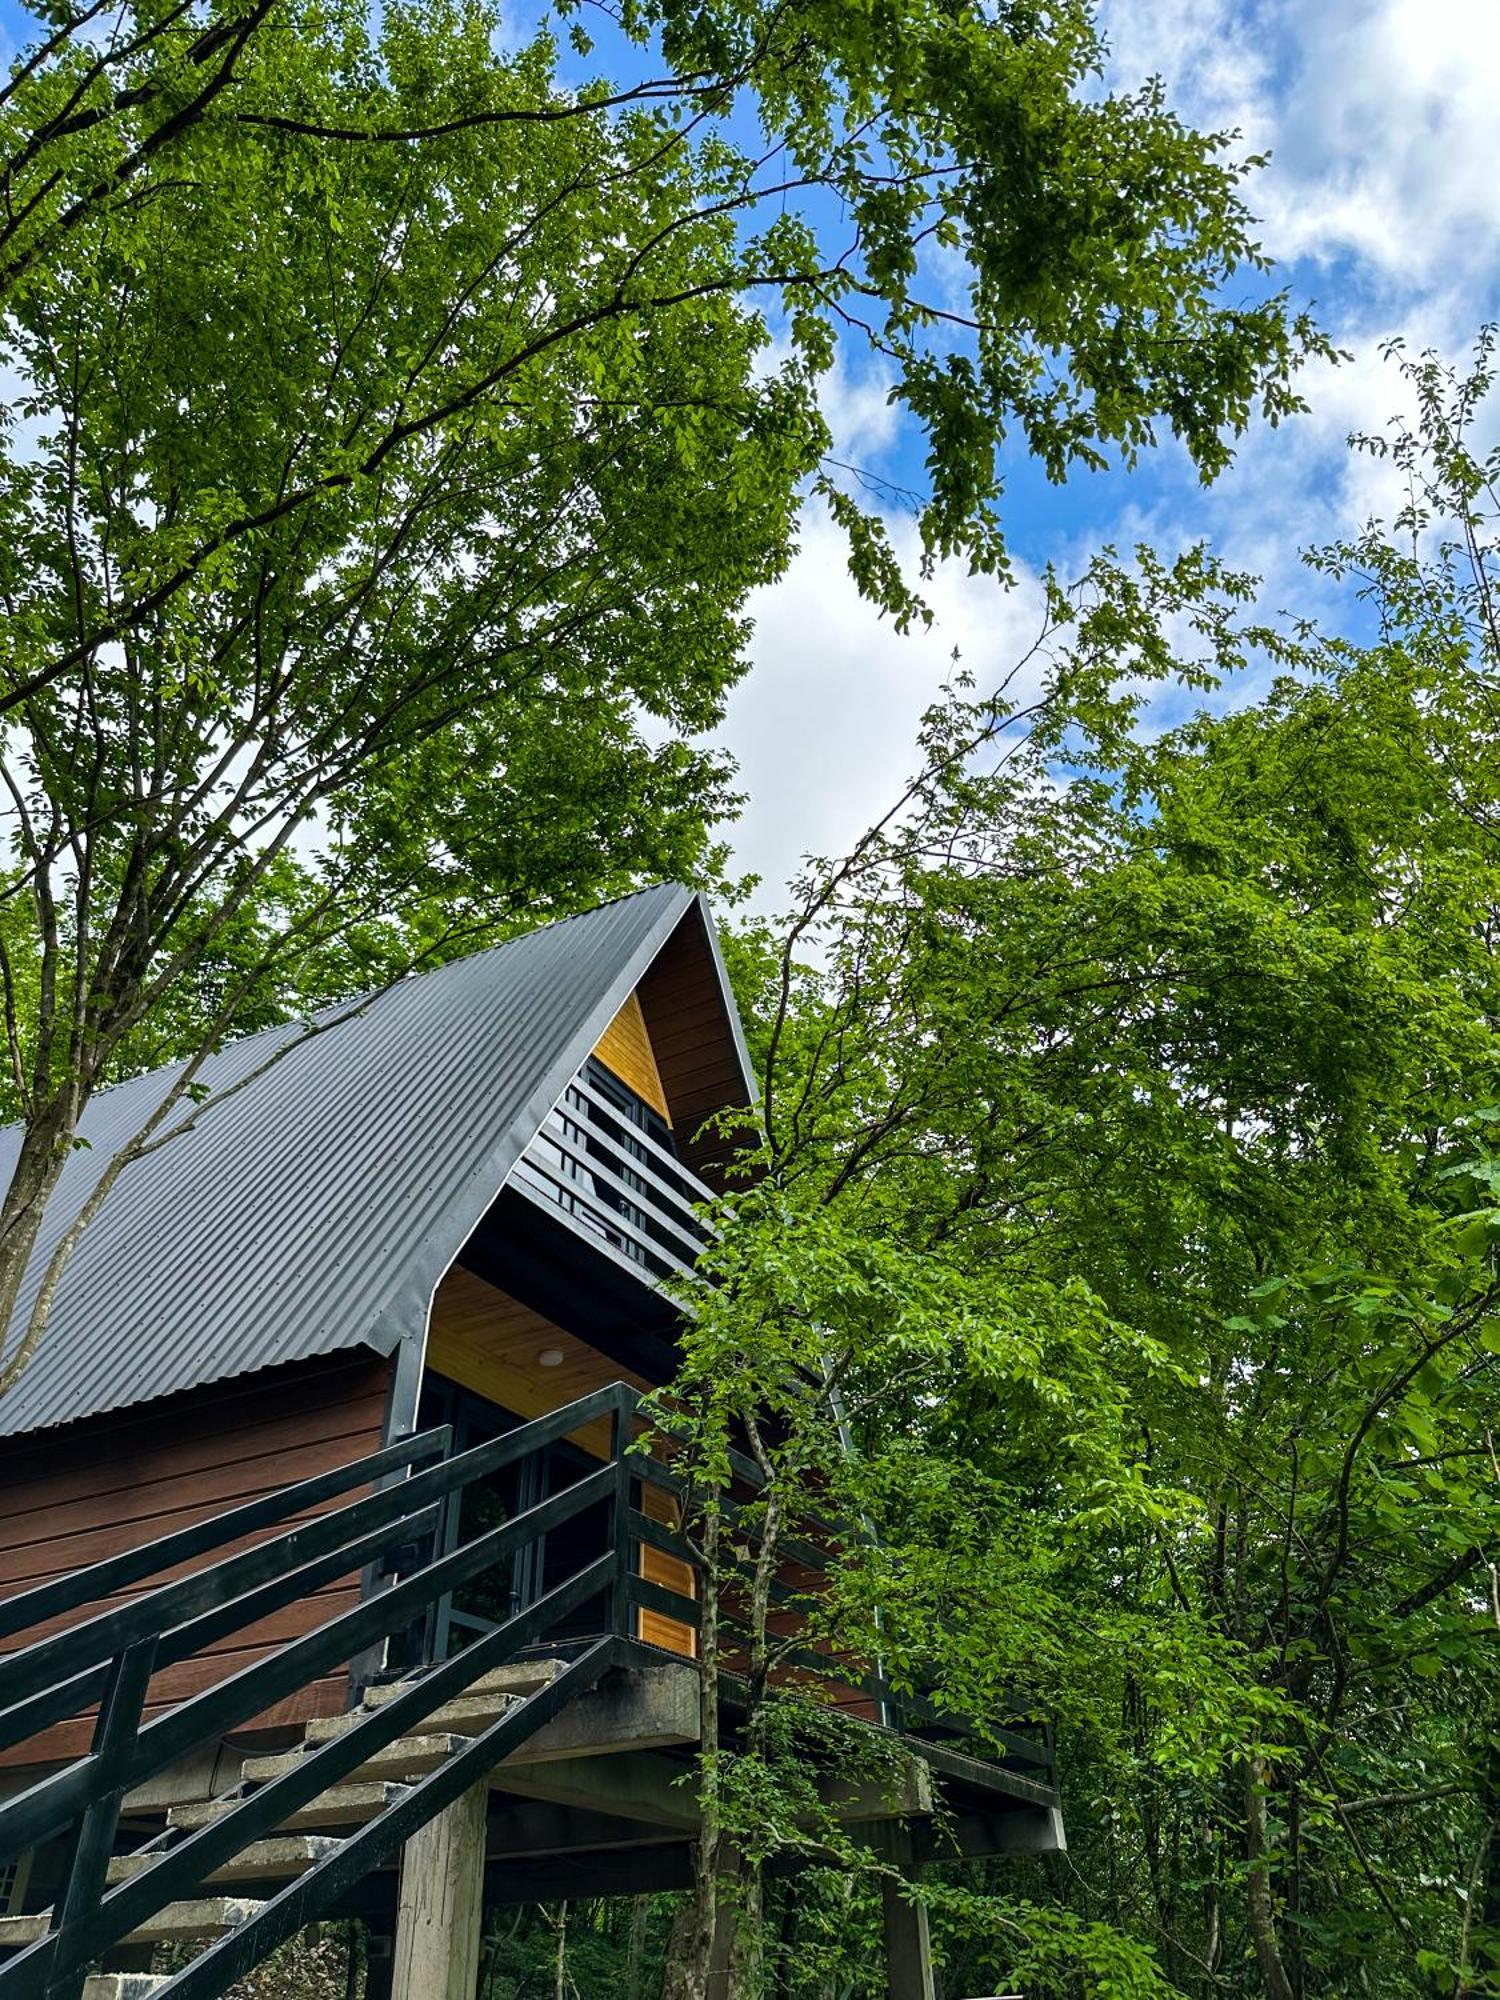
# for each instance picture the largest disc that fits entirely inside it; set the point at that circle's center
(908, 1950)
(439, 1918)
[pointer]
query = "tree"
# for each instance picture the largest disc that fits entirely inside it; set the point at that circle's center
(1129, 1163)
(394, 431)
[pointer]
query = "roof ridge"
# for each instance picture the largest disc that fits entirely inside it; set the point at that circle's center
(354, 1003)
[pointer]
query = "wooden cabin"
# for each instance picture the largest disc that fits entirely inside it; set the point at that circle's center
(453, 1205)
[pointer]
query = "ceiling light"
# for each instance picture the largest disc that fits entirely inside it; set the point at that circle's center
(550, 1357)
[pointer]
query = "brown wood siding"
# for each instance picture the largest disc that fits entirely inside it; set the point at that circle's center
(487, 1341)
(77, 1494)
(625, 1048)
(693, 1041)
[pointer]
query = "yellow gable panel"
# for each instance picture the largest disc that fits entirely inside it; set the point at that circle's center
(625, 1047)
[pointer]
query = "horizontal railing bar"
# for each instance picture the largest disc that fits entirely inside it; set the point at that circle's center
(847, 1674)
(183, 1867)
(689, 1610)
(257, 1686)
(171, 1604)
(671, 1543)
(743, 1468)
(550, 1184)
(687, 1230)
(699, 1190)
(671, 1604)
(677, 1186)
(679, 1201)
(648, 1223)
(56, 1704)
(103, 1579)
(53, 1704)
(792, 1547)
(294, 1907)
(659, 1535)
(160, 1610)
(185, 1640)
(41, 1810)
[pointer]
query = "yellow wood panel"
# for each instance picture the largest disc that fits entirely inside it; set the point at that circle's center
(672, 1574)
(489, 1342)
(625, 1047)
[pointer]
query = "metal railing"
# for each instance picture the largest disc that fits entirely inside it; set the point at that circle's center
(614, 1179)
(113, 1657)
(408, 1527)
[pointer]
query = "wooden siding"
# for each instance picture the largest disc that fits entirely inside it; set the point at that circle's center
(625, 1048)
(693, 1041)
(487, 1341)
(74, 1495)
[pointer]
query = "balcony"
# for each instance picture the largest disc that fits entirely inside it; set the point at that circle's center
(604, 1163)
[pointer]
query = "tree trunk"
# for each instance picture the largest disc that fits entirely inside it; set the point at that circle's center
(44, 1150)
(560, 1965)
(635, 1963)
(694, 1930)
(1260, 1902)
(747, 1946)
(680, 1948)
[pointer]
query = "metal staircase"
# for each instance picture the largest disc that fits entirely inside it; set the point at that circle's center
(310, 1835)
(299, 1828)
(243, 1871)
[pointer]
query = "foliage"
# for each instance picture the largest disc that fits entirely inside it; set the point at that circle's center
(1130, 1170)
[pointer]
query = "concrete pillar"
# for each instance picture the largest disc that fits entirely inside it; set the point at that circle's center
(439, 1918)
(908, 1950)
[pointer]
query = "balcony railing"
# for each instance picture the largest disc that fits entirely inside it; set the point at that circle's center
(596, 1162)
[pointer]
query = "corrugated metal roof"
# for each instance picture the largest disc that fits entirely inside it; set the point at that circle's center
(316, 1208)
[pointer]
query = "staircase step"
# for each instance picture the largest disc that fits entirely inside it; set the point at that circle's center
(340, 1805)
(198, 1917)
(407, 1758)
(466, 1715)
(516, 1677)
(276, 1859)
(121, 1985)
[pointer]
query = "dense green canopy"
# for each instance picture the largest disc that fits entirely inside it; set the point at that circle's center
(1131, 1165)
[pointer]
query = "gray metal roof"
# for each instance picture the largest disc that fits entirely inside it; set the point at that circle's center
(317, 1207)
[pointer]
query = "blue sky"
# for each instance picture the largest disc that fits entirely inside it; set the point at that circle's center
(1381, 204)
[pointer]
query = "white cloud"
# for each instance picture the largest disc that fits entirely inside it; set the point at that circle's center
(1386, 139)
(824, 725)
(1380, 116)
(1214, 58)
(1382, 199)
(856, 401)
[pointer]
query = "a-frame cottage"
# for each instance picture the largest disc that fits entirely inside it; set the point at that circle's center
(325, 1583)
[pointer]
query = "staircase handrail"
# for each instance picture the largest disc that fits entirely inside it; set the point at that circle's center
(157, 1612)
(96, 1581)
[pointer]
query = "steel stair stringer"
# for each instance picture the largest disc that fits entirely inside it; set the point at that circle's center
(183, 1867)
(304, 1900)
